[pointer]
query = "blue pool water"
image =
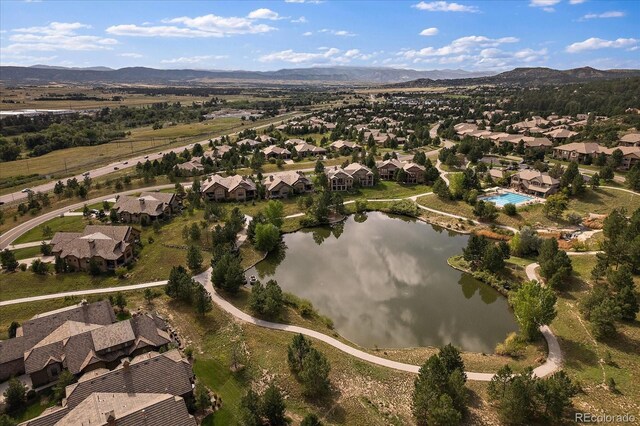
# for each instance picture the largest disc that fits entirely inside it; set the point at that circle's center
(508, 197)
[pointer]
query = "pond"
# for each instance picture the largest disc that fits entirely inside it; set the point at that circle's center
(384, 281)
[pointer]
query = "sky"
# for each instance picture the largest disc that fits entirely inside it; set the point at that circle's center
(270, 35)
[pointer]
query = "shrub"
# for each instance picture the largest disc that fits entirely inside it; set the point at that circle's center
(510, 209)
(404, 207)
(512, 346)
(121, 272)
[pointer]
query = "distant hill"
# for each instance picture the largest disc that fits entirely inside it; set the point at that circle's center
(527, 77)
(42, 74)
(53, 67)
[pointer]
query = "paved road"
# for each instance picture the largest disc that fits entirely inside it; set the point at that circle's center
(123, 164)
(83, 292)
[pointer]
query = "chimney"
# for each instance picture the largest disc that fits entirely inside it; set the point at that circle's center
(126, 363)
(271, 178)
(141, 201)
(92, 243)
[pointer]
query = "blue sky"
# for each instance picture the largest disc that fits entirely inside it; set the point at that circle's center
(480, 35)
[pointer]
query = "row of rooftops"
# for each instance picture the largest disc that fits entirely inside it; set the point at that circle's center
(146, 389)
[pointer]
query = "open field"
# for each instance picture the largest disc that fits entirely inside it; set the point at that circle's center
(27, 98)
(65, 223)
(584, 356)
(154, 262)
(142, 140)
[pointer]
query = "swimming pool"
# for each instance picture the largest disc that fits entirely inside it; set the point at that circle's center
(508, 197)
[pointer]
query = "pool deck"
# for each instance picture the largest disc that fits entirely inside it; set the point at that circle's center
(498, 191)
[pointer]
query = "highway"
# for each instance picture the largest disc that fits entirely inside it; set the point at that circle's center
(122, 165)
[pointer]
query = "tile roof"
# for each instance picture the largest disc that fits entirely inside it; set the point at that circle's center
(229, 183)
(290, 178)
(107, 242)
(151, 203)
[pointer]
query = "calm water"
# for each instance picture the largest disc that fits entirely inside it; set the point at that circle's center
(384, 281)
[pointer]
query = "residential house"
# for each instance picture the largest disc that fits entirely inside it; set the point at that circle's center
(192, 167)
(107, 247)
(387, 168)
(535, 183)
(236, 188)
(630, 155)
(306, 149)
(631, 139)
(415, 172)
(249, 143)
(344, 146)
(150, 389)
(273, 151)
(343, 179)
(560, 134)
(281, 185)
(75, 342)
(147, 207)
(40, 326)
(577, 151)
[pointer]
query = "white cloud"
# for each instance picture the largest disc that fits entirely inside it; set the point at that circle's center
(429, 31)
(264, 13)
(299, 57)
(443, 6)
(458, 46)
(595, 43)
(131, 55)
(340, 33)
(300, 20)
(200, 26)
(609, 14)
(307, 34)
(56, 36)
(304, 1)
(21, 60)
(576, 1)
(193, 59)
(325, 55)
(546, 5)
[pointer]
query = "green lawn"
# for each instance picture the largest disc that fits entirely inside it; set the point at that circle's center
(582, 353)
(64, 223)
(154, 263)
(26, 253)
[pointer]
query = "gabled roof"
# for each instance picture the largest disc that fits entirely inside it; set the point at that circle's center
(230, 183)
(151, 203)
(631, 138)
(149, 373)
(107, 242)
(288, 178)
(580, 147)
(528, 175)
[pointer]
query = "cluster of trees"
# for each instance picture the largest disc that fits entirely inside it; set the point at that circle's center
(484, 254)
(184, 288)
(268, 408)
(439, 395)
(266, 300)
(523, 398)
(611, 301)
(309, 366)
(533, 306)
(555, 265)
(616, 298)
(264, 230)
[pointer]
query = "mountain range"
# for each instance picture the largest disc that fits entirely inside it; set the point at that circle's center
(391, 77)
(527, 77)
(44, 74)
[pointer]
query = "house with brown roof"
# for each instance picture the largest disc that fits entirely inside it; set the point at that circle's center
(193, 166)
(344, 146)
(560, 134)
(77, 342)
(234, 188)
(109, 409)
(249, 143)
(535, 183)
(388, 168)
(576, 151)
(343, 179)
(147, 207)
(281, 185)
(306, 149)
(631, 139)
(152, 386)
(40, 326)
(273, 151)
(108, 247)
(630, 155)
